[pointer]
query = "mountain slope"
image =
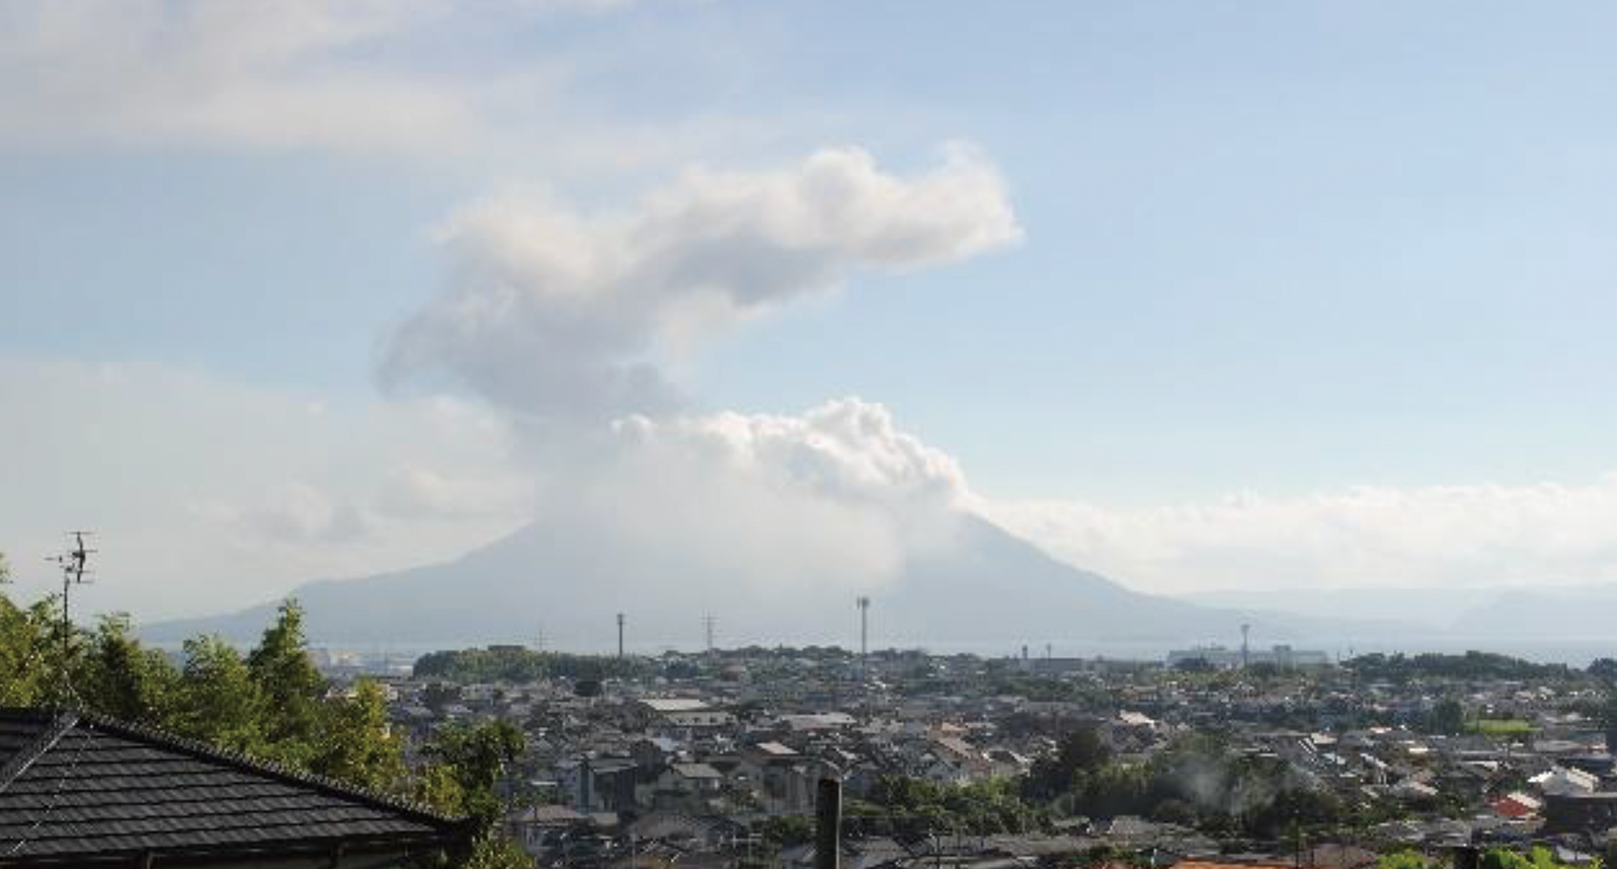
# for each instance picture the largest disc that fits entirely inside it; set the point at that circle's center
(1569, 613)
(985, 588)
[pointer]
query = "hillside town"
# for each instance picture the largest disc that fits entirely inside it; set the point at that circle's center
(712, 759)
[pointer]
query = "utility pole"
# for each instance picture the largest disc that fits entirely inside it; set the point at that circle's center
(828, 825)
(620, 635)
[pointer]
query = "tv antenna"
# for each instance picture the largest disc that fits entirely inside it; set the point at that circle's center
(74, 564)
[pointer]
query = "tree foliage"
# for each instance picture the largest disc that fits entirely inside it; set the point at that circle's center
(287, 688)
(494, 852)
(126, 681)
(1447, 717)
(516, 664)
(219, 701)
(1080, 751)
(271, 703)
(1194, 781)
(352, 741)
(464, 769)
(784, 831)
(911, 809)
(1538, 857)
(1400, 668)
(29, 652)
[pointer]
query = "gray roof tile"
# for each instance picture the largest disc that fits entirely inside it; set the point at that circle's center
(75, 785)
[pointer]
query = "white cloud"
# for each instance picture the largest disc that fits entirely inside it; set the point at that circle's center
(337, 75)
(209, 494)
(215, 494)
(222, 494)
(834, 499)
(416, 492)
(191, 72)
(1366, 536)
(847, 449)
(294, 513)
(552, 313)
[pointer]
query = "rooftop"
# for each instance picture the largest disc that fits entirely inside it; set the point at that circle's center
(79, 789)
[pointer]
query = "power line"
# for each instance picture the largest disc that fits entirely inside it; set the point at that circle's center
(63, 726)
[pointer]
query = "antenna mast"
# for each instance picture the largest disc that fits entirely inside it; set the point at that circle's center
(74, 564)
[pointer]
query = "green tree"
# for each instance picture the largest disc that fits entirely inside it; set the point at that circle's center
(1448, 717)
(1538, 857)
(218, 696)
(438, 786)
(912, 808)
(1607, 716)
(121, 679)
(1080, 751)
(270, 704)
(491, 851)
(286, 682)
(1405, 860)
(785, 831)
(28, 652)
(354, 744)
(465, 767)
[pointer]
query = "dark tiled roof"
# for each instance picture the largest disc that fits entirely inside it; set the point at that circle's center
(77, 788)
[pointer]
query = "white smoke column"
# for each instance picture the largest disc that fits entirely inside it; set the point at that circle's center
(562, 316)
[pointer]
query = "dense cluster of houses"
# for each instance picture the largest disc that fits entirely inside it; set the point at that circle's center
(692, 769)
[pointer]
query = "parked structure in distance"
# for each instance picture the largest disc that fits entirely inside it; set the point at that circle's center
(1279, 655)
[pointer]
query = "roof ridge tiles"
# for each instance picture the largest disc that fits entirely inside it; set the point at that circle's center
(274, 768)
(239, 759)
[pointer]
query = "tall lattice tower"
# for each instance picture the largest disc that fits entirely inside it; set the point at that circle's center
(864, 634)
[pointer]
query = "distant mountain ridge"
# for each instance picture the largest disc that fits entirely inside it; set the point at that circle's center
(988, 590)
(1588, 611)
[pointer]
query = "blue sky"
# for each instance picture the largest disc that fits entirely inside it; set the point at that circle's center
(1279, 248)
